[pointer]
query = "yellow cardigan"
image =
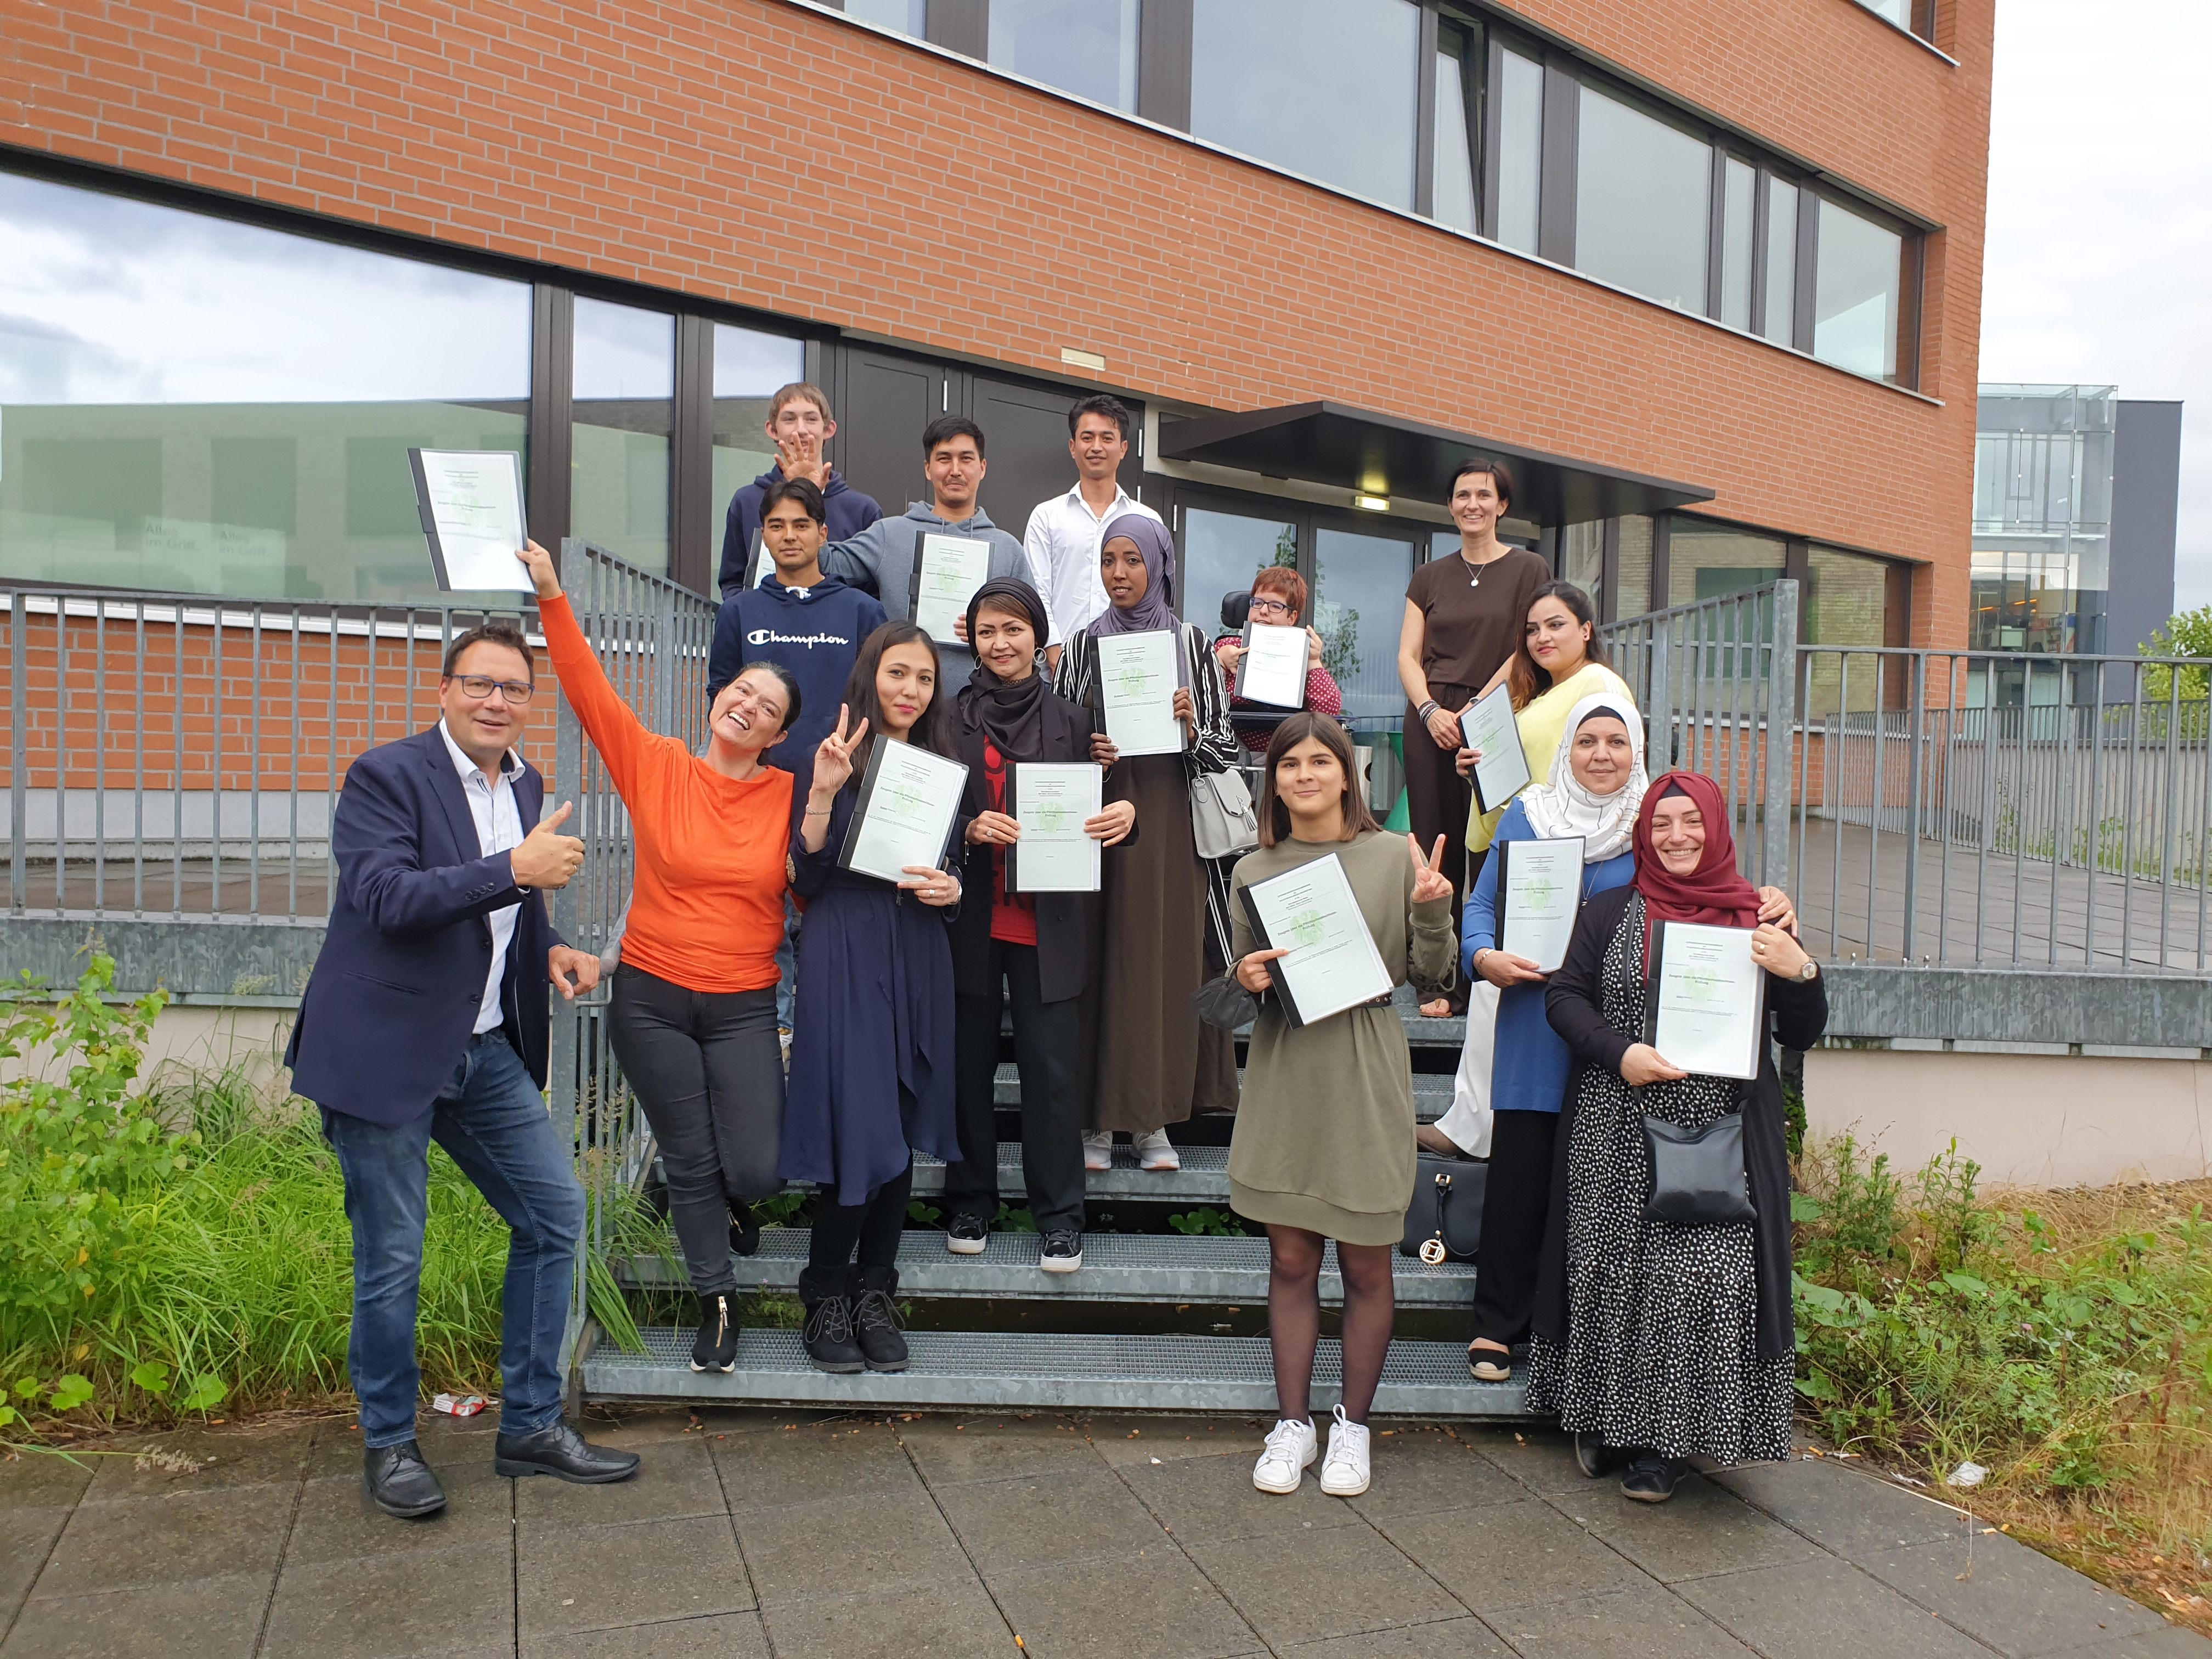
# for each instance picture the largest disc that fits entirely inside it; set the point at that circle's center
(1542, 723)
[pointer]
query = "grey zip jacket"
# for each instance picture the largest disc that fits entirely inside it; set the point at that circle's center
(880, 559)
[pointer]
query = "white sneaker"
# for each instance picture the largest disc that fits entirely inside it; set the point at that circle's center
(1290, 1453)
(1156, 1152)
(1098, 1151)
(1344, 1471)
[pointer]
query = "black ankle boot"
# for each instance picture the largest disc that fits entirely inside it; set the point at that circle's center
(875, 1318)
(716, 1348)
(829, 1331)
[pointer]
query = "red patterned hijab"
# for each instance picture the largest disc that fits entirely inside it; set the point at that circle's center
(1715, 893)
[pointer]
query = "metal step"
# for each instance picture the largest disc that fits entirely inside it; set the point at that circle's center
(1419, 1032)
(1129, 1267)
(1432, 1090)
(1203, 1179)
(1002, 1371)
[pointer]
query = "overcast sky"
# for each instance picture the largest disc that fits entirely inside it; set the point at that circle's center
(2099, 264)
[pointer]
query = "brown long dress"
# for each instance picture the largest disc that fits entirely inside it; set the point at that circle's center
(1155, 902)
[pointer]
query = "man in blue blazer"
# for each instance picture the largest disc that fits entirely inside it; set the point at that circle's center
(425, 1018)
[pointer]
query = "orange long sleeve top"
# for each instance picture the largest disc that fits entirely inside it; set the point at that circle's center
(706, 908)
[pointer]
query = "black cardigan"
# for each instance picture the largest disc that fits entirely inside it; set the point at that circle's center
(1068, 923)
(1797, 1012)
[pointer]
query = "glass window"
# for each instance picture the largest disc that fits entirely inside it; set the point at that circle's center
(192, 405)
(1221, 554)
(1855, 293)
(1736, 205)
(906, 15)
(1360, 605)
(1458, 52)
(1898, 12)
(1845, 597)
(749, 367)
(1582, 560)
(1705, 561)
(1088, 47)
(1641, 189)
(625, 399)
(1519, 149)
(1781, 320)
(1635, 566)
(1324, 88)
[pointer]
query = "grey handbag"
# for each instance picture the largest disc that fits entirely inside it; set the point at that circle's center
(1222, 825)
(1696, 1176)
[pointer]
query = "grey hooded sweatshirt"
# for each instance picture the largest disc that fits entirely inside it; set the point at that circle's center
(881, 560)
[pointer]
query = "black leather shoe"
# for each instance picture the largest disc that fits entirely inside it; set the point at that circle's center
(400, 1483)
(561, 1452)
(1652, 1479)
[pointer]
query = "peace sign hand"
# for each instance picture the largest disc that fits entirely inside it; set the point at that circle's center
(1429, 882)
(833, 761)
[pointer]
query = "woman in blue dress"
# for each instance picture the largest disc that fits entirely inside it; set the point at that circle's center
(871, 1070)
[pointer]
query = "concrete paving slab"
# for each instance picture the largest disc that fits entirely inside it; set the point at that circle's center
(209, 1617)
(1704, 1528)
(674, 1479)
(143, 1541)
(1542, 1460)
(393, 1606)
(336, 1522)
(725, 1636)
(1139, 1440)
(449, 1443)
(1420, 1469)
(2004, 1594)
(1464, 1638)
(200, 1460)
(1857, 1514)
(1068, 1516)
(2172, 1642)
(1210, 1499)
(27, 1537)
(954, 1620)
(949, 1450)
(1647, 1623)
(1507, 1555)
(812, 1462)
(871, 1542)
(580, 1578)
(1337, 1581)
(1102, 1611)
(1824, 1609)
(38, 1480)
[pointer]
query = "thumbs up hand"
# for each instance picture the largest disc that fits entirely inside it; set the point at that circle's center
(544, 859)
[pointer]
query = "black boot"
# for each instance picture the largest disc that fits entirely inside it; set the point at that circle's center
(716, 1348)
(829, 1331)
(744, 1228)
(875, 1318)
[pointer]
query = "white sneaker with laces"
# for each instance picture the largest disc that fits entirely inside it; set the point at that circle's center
(1290, 1452)
(1344, 1471)
(1156, 1152)
(1098, 1151)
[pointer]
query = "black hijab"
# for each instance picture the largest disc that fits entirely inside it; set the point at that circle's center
(1010, 713)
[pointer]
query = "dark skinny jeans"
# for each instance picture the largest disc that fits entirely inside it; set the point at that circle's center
(1046, 1038)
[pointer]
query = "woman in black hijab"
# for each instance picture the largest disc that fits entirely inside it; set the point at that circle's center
(1036, 946)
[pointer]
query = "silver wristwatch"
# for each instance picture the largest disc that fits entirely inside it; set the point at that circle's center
(1810, 971)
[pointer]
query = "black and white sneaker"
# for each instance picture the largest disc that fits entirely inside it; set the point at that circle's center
(1062, 1253)
(966, 1235)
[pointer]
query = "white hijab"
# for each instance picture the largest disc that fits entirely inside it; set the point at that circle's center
(1565, 807)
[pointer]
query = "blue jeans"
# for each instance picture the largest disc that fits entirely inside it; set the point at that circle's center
(493, 1122)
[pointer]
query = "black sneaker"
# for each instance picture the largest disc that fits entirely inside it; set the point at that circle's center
(716, 1348)
(1652, 1479)
(1597, 1460)
(745, 1230)
(1062, 1253)
(875, 1318)
(966, 1235)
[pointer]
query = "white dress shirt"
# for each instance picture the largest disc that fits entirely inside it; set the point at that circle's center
(499, 829)
(1062, 542)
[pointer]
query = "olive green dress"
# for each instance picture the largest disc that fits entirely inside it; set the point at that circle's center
(1324, 1137)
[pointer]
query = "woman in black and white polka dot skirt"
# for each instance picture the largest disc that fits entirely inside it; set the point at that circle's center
(1653, 1342)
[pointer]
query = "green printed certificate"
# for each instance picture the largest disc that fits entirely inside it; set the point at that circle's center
(1706, 1004)
(1311, 913)
(1539, 891)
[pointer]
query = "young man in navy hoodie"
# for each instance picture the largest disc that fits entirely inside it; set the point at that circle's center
(800, 426)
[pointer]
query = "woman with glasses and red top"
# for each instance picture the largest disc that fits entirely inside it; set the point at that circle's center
(1278, 599)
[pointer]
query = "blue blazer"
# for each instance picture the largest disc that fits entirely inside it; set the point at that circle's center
(392, 1001)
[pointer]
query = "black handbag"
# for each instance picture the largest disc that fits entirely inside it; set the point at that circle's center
(1695, 1177)
(1222, 1003)
(1444, 1222)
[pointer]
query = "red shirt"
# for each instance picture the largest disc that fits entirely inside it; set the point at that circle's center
(1013, 915)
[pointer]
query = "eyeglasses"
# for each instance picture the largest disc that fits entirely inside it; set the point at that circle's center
(1261, 602)
(476, 687)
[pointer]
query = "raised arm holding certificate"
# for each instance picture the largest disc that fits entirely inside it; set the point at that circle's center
(1487, 724)
(470, 501)
(947, 571)
(1273, 667)
(1136, 688)
(1051, 801)
(1333, 964)
(908, 800)
(1540, 893)
(1706, 1006)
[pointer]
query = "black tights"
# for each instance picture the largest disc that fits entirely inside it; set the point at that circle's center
(1294, 1318)
(874, 1226)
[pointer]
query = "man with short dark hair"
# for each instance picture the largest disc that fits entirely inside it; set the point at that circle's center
(426, 1019)
(881, 557)
(1063, 534)
(799, 426)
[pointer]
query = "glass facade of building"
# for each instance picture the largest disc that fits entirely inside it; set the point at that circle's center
(2043, 509)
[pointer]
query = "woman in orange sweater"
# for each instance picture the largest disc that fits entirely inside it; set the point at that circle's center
(693, 1009)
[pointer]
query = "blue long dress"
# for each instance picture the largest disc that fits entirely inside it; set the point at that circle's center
(872, 1073)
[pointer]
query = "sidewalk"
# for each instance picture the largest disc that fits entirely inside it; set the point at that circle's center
(767, 1535)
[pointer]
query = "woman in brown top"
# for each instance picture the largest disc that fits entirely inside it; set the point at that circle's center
(1464, 616)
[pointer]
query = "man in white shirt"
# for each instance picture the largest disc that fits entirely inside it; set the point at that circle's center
(1064, 533)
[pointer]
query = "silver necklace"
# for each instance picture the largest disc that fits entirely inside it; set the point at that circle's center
(1475, 578)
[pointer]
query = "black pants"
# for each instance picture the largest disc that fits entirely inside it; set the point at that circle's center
(1048, 1036)
(709, 1072)
(1515, 1204)
(1439, 800)
(874, 1226)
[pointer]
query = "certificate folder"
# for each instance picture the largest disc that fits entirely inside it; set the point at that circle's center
(1051, 801)
(1273, 669)
(947, 571)
(1540, 894)
(1312, 913)
(470, 502)
(909, 798)
(1136, 687)
(1705, 1001)
(1487, 724)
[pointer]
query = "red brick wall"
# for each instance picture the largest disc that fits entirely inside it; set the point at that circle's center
(755, 152)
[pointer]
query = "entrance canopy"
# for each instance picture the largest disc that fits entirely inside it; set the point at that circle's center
(1331, 443)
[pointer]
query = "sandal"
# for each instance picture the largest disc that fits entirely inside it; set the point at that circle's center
(1487, 1368)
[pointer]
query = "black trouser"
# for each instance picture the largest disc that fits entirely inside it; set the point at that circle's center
(874, 1226)
(1516, 1204)
(709, 1072)
(1437, 801)
(1046, 1038)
